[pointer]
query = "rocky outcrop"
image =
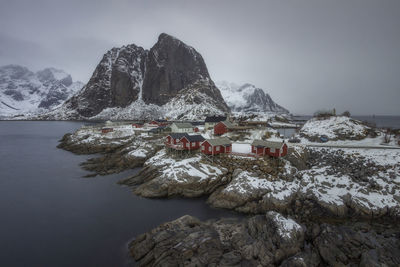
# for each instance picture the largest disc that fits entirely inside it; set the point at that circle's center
(116, 82)
(344, 245)
(120, 150)
(166, 176)
(333, 185)
(171, 66)
(334, 128)
(261, 240)
(196, 101)
(266, 240)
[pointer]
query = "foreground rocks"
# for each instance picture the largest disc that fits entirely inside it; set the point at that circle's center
(265, 240)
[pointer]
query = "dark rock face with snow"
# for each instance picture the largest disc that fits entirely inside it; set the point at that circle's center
(248, 98)
(116, 81)
(23, 91)
(171, 66)
(131, 78)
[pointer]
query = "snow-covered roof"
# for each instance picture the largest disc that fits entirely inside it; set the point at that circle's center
(228, 124)
(271, 144)
(182, 125)
(219, 141)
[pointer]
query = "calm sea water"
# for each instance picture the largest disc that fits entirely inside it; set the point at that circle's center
(51, 216)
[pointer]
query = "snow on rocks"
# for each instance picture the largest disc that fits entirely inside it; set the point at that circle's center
(164, 175)
(253, 241)
(286, 227)
(338, 186)
(334, 127)
(251, 194)
(122, 148)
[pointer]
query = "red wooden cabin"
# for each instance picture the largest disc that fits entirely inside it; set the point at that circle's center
(222, 127)
(216, 146)
(174, 138)
(192, 142)
(270, 148)
(106, 130)
(159, 122)
(137, 125)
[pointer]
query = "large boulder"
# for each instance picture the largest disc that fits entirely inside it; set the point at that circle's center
(261, 240)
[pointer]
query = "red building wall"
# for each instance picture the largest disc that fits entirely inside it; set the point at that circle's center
(222, 149)
(220, 128)
(187, 144)
(267, 151)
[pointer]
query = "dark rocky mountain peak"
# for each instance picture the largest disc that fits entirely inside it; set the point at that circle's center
(154, 77)
(171, 66)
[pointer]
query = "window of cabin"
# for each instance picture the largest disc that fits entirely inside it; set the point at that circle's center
(272, 150)
(217, 148)
(209, 149)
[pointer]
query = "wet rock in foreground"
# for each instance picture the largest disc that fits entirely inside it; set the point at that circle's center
(266, 240)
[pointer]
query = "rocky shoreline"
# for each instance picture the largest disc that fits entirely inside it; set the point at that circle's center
(330, 195)
(114, 153)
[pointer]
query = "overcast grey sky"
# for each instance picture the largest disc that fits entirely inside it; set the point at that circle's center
(306, 54)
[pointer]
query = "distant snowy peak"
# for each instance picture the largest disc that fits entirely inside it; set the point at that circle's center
(248, 98)
(23, 91)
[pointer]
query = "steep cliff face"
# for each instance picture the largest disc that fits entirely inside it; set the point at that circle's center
(171, 66)
(131, 81)
(116, 82)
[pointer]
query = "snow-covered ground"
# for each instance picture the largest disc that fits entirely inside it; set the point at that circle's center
(334, 127)
(332, 189)
(180, 170)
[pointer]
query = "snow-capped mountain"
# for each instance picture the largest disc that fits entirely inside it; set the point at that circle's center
(131, 83)
(23, 91)
(248, 98)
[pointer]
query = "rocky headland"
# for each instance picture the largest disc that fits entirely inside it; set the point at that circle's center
(315, 207)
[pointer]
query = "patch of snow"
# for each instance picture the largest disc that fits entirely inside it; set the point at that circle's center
(285, 226)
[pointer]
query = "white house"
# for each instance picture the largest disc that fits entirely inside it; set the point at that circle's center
(181, 127)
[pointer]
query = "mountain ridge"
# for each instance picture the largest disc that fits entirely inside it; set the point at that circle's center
(248, 98)
(23, 91)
